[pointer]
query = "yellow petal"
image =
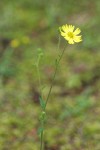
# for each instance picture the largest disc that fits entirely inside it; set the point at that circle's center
(77, 39)
(64, 28)
(67, 37)
(71, 41)
(77, 31)
(71, 28)
(63, 34)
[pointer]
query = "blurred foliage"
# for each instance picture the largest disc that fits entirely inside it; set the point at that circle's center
(74, 108)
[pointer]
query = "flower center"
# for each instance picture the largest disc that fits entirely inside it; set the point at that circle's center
(70, 34)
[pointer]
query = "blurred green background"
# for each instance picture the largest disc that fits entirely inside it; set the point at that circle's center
(74, 108)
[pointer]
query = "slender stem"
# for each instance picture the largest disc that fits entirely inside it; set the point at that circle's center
(54, 75)
(59, 39)
(57, 64)
(43, 115)
(38, 73)
(40, 90)
(41, 141)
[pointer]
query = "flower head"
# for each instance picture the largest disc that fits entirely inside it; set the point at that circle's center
(15, 43)
(71, 35)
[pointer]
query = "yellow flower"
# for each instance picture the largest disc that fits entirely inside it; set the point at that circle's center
(67, 31)
(15, 43)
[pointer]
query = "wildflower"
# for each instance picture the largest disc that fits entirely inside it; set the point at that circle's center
(67, 31)
(15, 43)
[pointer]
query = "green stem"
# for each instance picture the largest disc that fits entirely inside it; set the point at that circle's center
(59, 39)
(54, 75)
(42, 133)
(43, 117)
(57, 64)
(38, 73)
(55, 72)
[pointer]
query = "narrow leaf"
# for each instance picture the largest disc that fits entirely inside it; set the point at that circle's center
(42, 103)
(40, 130)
